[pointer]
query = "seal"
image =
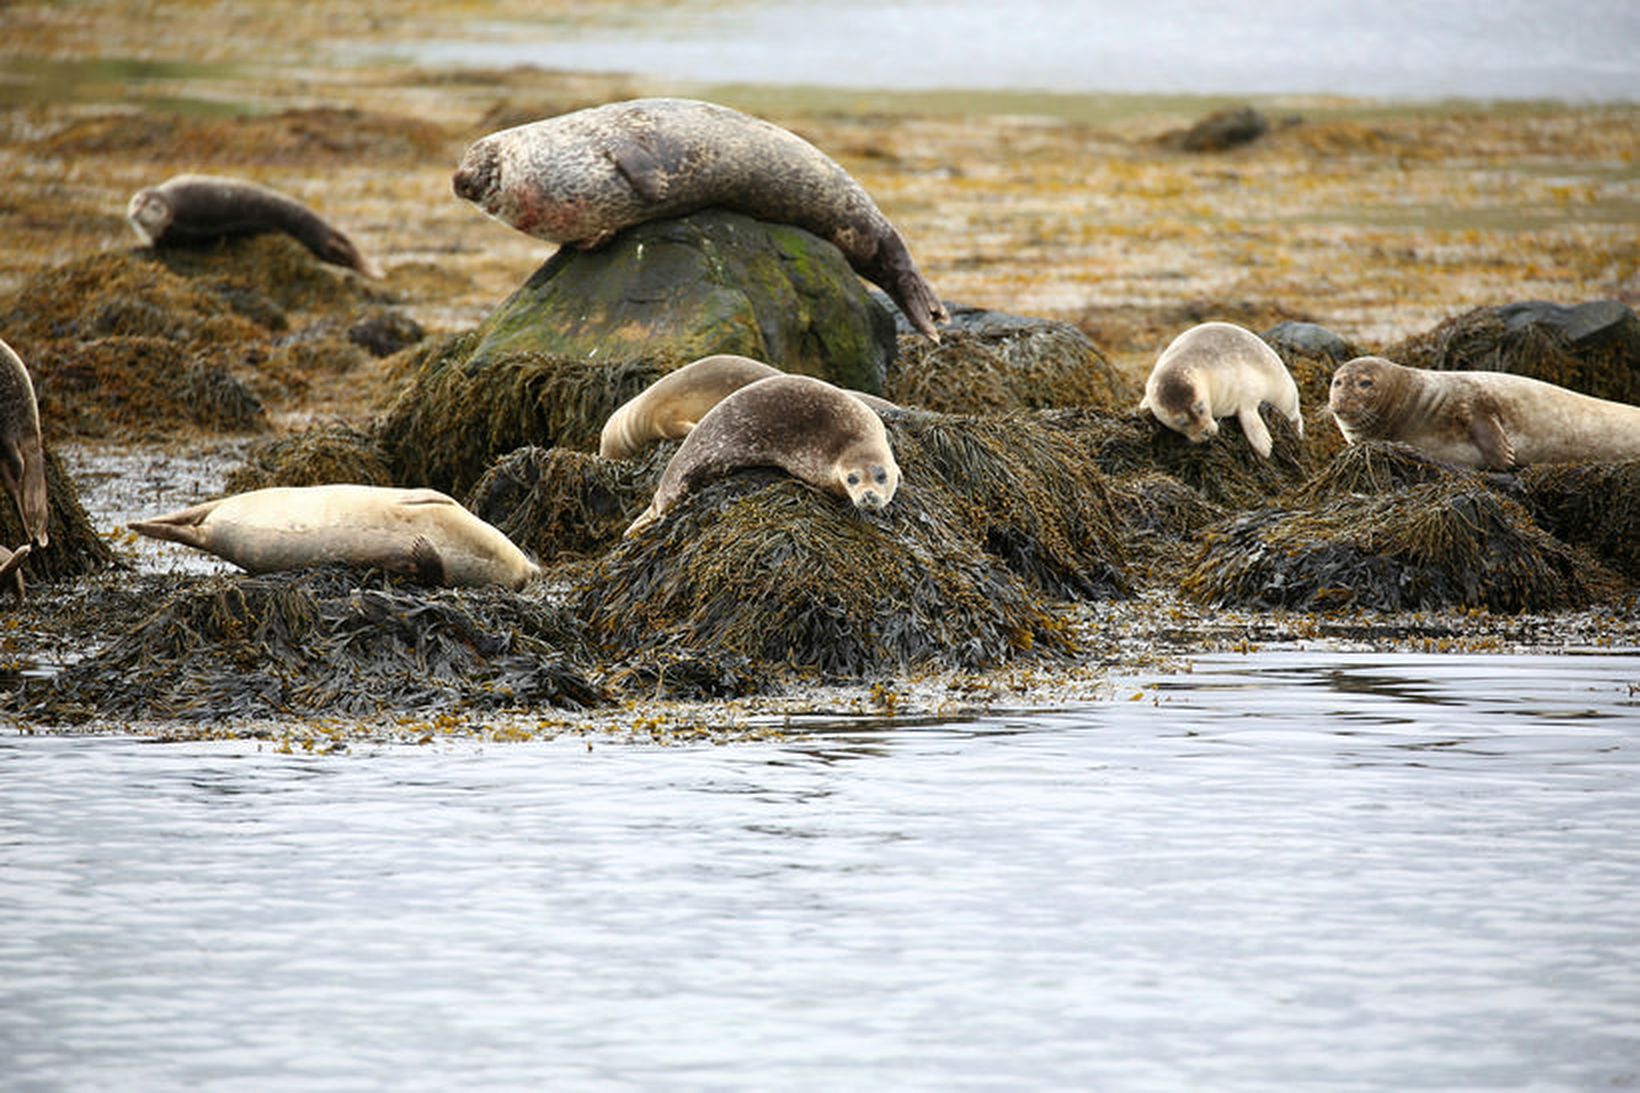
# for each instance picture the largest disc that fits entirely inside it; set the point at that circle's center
(422, 533)
(1485, 420)
(580, 177)
(802, 425)
(1214, 370)
(22, 455)
(11, 562)
(671, 406)
(193, 209)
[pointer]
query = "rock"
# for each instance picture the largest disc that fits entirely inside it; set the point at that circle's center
(1310, 340)
(712, 282)
(1219, 131)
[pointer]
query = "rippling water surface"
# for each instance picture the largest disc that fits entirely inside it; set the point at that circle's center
(1290, 870)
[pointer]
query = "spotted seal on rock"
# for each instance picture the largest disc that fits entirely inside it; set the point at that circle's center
(668, 408)
(421, 533)
(1216, 370)
(22, 454)
(579, 178)
(1486, 420)
(192, 209)
(802, 425)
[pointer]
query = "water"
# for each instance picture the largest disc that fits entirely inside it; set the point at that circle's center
(1497, 49)
(1290, 870)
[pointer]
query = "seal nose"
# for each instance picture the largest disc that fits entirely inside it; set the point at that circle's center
(465, 184)
(871, 501)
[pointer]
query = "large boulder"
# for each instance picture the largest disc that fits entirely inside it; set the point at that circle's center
(712, 282)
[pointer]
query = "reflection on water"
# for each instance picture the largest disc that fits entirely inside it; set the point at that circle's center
(1291, 870)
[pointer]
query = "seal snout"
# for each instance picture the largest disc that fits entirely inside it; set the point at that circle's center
(475, 178)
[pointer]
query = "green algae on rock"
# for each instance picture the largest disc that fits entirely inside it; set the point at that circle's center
(333, 640)
(711, 282)
(1433, 546)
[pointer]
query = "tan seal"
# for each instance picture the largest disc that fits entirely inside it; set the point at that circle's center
(1489, 420)
(579, 178)
(22, 455)
(1218, 370)
(192, 209)
(422, 533)
(804, 426)
(668, 408)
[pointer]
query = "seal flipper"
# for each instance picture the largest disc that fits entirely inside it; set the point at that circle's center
(1258, 434)
(1487, 434)
(643, 165)
(424, 563)
(182, 526)
(10, 566)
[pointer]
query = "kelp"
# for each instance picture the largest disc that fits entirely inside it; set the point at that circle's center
(333, 641)
(558, 502)
(1432, 546)
(1379, 467)
(1594, 505)
(988, 362)
(768, 569)
(324, 454)
(452, 419)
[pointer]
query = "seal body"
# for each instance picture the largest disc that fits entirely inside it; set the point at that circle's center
(193, 209)
(1218, 370)
(22, 455)
(668, 408)
(804, 426)
(1487, 420)
(579, 178)
(423, 533)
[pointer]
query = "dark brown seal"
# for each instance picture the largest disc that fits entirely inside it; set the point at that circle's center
(193, 209)
(804, 426)
(22, 455)
(1490, 420)
(581, 177)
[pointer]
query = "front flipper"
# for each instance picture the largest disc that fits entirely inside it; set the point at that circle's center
(1253, 425)
(648, 164)
(1486, 432)
(421, 563)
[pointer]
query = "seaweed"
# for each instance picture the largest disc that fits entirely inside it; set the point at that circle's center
(1437, 545)
(75, 549)
(333, 640)
(1379, 466)
(456, 416)
(557, 502)
(766, 569)
(1594, 505)
(334, 452)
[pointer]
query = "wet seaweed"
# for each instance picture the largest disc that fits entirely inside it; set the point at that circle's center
(1433, 546)
(767, 569)
(989, 362)
(75, 549)
(333, 452)
(1378, 467)
(453, 419)
(1594, 505)
(334, 641)
(557, 502)
(1159, 517)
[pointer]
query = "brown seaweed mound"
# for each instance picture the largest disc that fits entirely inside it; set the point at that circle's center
(557, 502)
(987, 362)
(327, 641)
(1429, 547)
(762, 568)
(130, 345)
(314, 457)
(1379, 466)
(1595, 505)
(452, 421)
(1159, 516)
(1599, 356)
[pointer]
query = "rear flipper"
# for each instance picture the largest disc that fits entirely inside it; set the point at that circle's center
(182, 526)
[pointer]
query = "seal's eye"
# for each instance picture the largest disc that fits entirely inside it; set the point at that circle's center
(1364, 384)
(881, 476)
(853, 478)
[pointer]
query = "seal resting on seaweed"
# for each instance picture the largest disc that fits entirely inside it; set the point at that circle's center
(191, 209)
(1487, 420)
(668, 408)
(802, 425)
(1215, 370)
(580, 177)
(421, 533)
(22, 456)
